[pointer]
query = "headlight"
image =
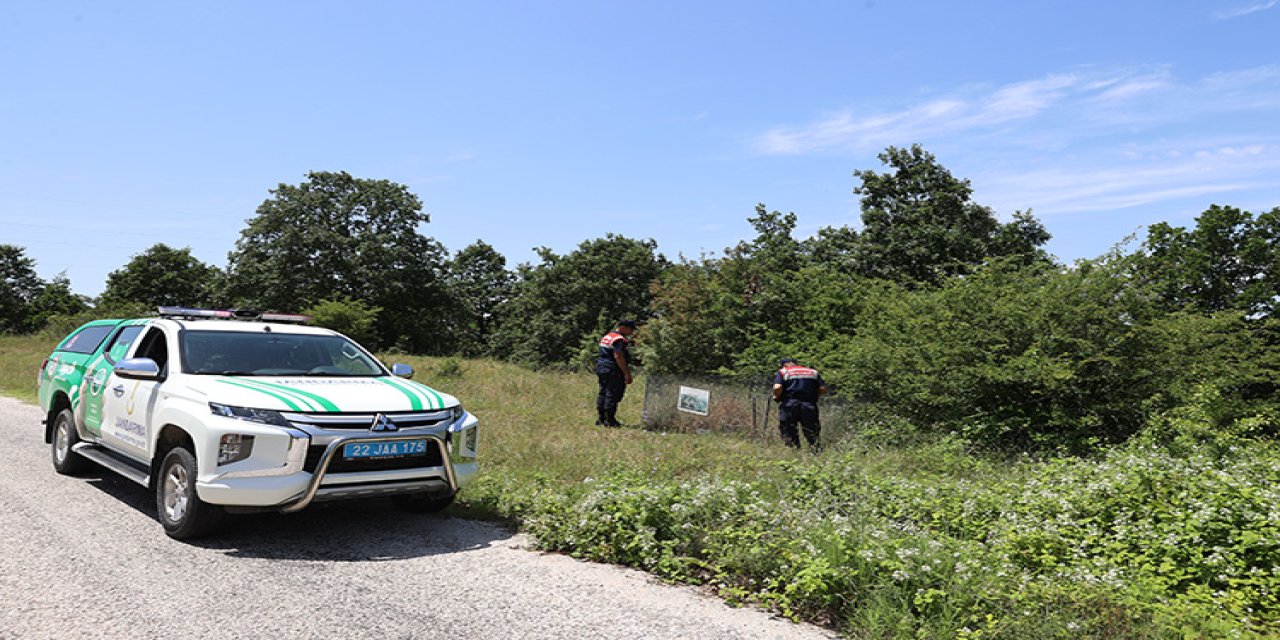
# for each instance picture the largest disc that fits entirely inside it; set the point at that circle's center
(456, 413)
(264, 416)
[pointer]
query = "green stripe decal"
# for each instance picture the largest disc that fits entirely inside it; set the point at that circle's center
(415, 389)
(414, 401)
(273, 394)
(423, 387)
(307, 395)
(305, 403)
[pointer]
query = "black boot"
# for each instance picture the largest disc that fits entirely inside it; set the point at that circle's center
(601, 419)
(611, 418)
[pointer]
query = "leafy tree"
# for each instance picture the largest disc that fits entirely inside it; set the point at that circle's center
(55, 300)
(1229, 261)
(352, 318)
(336, 237)
(162, 275)
(920, 225)
(19, 287)
(737, 315)
(681, 338)
(482, 285)
(836, 247)
(561, 304)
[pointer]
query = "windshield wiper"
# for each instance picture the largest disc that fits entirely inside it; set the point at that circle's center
(228, 372)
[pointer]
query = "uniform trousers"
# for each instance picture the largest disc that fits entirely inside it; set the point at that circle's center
(797, 412)
(613, 385)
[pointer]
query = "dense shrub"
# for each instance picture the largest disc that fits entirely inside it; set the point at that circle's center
(348, 316)
(1020, 355)
(1141, 542)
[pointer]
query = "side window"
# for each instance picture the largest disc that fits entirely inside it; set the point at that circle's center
(86, 340)
(120, 344)
(154, 346)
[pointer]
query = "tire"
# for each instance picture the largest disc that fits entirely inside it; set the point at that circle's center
(422, 502)
(65, 436)
(180, 510)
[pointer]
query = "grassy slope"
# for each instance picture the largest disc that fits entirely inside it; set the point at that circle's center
(540, 425)
(20, 358)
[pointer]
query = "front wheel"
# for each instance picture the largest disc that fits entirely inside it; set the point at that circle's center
(422, 502)
(65, 460)
(180, 510)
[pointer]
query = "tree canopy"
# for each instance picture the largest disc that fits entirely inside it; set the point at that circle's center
(162, 275)
(479, 281)
(335, 237)
(19, 286)
(561, 304)
(1228, 261)
(920, 224)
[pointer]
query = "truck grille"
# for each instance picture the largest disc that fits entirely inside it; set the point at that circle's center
(362, 421)
(431, 458)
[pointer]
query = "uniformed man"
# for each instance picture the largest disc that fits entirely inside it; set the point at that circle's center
(613, 368)
(797, 388)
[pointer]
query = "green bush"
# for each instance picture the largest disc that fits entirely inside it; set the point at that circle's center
(352, 318)
(1141, 542)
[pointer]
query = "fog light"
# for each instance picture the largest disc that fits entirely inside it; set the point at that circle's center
(471, 439)
(234, 447)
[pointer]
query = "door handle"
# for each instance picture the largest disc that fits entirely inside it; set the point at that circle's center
(118, 390)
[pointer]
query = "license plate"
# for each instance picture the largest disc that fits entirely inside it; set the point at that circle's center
(390, 449)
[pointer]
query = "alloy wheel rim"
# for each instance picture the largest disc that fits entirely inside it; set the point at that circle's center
(175, 493)
(62, 440)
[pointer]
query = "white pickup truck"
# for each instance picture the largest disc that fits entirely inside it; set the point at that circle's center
(219, 411)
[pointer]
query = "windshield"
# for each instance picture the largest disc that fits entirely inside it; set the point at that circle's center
(274, 354)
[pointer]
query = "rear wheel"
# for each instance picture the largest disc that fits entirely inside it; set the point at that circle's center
(66, 461)
(422, 502)
(180, 510)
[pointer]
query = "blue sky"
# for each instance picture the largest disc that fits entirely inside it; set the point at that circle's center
(531, 124)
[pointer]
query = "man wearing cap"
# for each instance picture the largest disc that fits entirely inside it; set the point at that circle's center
(796, 388)
(613, 368)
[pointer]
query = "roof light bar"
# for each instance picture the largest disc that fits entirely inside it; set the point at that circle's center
(231, 314)
(187, 312)
(285, 317)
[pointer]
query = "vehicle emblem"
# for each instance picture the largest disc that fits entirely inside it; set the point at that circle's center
(383, 423)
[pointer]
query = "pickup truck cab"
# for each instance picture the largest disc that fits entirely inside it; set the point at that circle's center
(249, 412)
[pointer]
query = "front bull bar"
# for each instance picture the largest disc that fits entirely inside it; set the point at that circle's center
(337, 443)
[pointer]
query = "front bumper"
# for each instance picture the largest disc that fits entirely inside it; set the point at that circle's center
(309, 474)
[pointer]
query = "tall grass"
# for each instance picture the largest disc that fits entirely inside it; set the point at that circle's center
(537, 431)
(20, 358)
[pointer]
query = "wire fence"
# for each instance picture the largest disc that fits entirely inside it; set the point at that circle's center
(745, 407)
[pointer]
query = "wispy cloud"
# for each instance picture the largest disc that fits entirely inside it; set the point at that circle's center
(1134, 178)
(1088, 140)
(1245, 9)
(1083, 102)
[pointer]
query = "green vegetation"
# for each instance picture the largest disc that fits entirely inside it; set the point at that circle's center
(20, 359)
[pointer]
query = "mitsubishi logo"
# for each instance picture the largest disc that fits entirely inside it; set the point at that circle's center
(383, 423)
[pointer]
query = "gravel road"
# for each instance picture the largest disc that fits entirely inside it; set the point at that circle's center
(85, 558)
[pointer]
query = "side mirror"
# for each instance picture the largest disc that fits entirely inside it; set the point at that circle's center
(138, 369)
(402, 371)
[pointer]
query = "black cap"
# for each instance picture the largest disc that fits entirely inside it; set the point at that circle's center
(627, 323)
(785, 361)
